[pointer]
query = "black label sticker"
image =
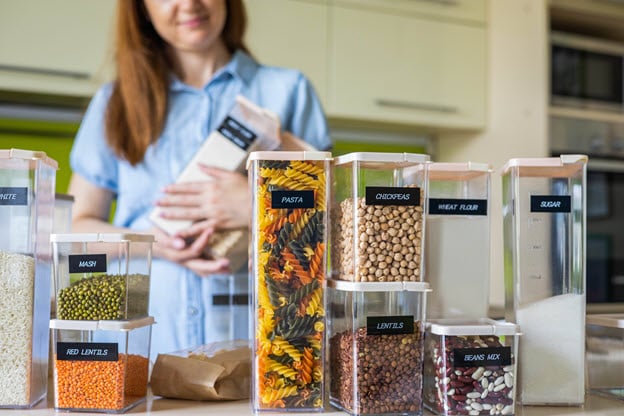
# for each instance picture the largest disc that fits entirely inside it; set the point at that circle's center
(237, 133)
(389, 325)
(292, 199)
(383, 195)
(13, 196)
(551, 203)
(87, 263)
(449, 206)
(87, 351)
(481, 357)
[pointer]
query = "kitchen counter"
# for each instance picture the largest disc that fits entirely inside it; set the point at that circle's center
(594, 406)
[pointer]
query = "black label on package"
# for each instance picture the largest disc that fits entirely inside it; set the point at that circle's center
(292, 199)
(238, 134)
(383, 195)
(449, 206)
(550, 203)
(481, 357)
(87, 351)
(389, 325)
(87, 263)
(13, 196)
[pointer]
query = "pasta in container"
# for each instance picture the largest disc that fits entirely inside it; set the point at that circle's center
(289, 263)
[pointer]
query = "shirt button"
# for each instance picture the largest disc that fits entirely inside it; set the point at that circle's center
(192, 311)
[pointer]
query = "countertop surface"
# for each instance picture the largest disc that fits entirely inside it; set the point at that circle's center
(594, 406)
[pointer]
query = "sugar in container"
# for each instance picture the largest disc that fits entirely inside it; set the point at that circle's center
(289, 262)
(27, 182)
(378, 208)
(101, 276)
(605, 355)
(544, 260)
(457, 247)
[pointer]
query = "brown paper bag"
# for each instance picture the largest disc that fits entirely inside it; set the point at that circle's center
(216, 371)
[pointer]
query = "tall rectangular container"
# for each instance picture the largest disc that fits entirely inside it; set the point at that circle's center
(378, 208)
(544, 246)
(376, 333)
(27, 182)
(289, 263)
(457, 247)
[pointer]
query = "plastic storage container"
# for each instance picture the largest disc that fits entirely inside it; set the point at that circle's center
(470, 367)
(376, 333)
(377, 217)
(289, 244)
(102, 276)
(100, 366)
(605, 355)
(457, 247)
(544, 247)
(27, 181)
(63, 204)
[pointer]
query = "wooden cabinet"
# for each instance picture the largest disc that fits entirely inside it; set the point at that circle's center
(404, 68)
(55, 47)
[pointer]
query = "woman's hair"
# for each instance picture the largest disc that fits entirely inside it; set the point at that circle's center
(137, 109)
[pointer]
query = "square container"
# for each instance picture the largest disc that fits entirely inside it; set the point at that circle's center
(378, 216)
(544, 247)
(470, 367)
(27, 181)
(376, 333)
(605, 355)
(100, 366)
(289, 264)
(102, 276)
(457, 247)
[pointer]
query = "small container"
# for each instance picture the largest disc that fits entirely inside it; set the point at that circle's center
(289, 263)
(377, 216)
(605, 355)
(376, 332)
(470, 366)
(544, 247)
(27, 181)
(457, 247)
(102, 276)
(100, 366)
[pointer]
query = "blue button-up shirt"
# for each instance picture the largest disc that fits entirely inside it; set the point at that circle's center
(180, 301)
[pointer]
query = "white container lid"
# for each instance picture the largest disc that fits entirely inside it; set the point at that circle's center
(444, 171)
(379, 157)
(101, 238)
(483, 326)
(610, 320)
(563, 162)
(28, 154)
(348, 286)
(303, 155)
(101, 325)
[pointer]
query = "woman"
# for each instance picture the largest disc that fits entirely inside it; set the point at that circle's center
(180, 65)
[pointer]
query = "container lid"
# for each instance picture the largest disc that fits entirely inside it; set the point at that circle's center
(348, 286)
(380, 157)
(288, 155)
(102, 325)
(101, 238)
(482, 326)
(568, 164)
(611, 320)
(64, 197)
(28, 154)
(443, 171)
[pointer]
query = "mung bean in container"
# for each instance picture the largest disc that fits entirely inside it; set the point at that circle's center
(378, 207)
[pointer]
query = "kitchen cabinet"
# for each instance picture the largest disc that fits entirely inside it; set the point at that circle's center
(406, 68)
(55, 47)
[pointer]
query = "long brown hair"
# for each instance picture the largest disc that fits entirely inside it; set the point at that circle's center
(137, 109)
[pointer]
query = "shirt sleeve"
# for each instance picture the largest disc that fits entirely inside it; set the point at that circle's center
(91, 157)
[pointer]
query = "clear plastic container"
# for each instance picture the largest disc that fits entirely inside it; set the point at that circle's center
(544, 247)
(289, 264)
(376, 332)
(377, 217)
(605, 355)
(100, 366)
(63, 204)
(27, 182)
(102, 276)
(470, 367)
(457, 247)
